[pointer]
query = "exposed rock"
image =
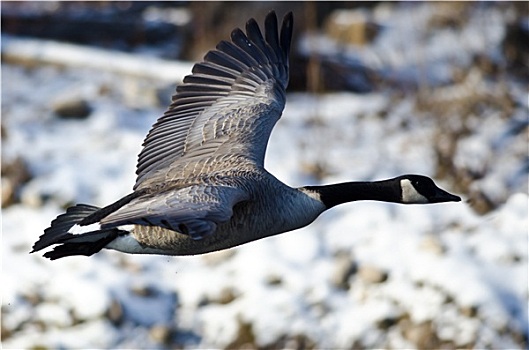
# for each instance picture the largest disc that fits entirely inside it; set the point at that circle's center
(317, 170)
(422, 335)
(432, 244)
(372, 274)
(8, 192)
(15, 173)
(274, 280)
(470, 311)
(297, 341)
(160, 334)
(226, 296)
(115, 312)
(143, 291)
(245, 337)
(344, 268)
(514, 45)
(72, 108)
(387, 323)
(223, 297)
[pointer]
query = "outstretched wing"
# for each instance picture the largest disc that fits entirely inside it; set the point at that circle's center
(195, 210)
(227, 106)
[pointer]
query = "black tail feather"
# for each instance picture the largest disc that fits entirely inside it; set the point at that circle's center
(86, 243)
(83, 248)
(58, 231)
(83, 244)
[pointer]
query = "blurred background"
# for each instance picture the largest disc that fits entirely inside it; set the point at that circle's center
(377, 89)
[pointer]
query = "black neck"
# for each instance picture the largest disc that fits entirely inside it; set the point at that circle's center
(335, 194)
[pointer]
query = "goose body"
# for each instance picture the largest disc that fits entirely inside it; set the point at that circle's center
(201, 184)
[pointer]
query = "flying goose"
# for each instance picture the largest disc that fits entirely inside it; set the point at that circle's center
(201, 184)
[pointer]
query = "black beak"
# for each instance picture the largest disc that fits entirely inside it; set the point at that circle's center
(441, 196)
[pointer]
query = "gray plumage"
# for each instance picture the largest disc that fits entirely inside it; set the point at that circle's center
(201, 184)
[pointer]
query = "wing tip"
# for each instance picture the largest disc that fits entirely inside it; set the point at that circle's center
(224, 63)
(287, 28)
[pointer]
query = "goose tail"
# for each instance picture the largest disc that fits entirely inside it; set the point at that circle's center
(73, 238)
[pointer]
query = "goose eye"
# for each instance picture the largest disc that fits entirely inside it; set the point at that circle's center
(418, 184)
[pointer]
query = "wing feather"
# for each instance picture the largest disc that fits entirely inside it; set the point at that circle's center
(224, 59)
(255, 36)
(251, 49)
(236, 53)
(229, 103)
(210, 68)
(194, 210)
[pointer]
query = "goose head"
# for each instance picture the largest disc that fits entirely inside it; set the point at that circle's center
(419, 189)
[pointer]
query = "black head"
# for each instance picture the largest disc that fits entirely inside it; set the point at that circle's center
(418, 189)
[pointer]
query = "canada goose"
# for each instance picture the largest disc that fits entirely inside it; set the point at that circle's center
(201, 184)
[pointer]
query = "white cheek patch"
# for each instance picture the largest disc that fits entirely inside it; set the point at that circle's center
(410, 194)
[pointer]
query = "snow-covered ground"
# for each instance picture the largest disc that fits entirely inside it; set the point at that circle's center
(365, 274)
